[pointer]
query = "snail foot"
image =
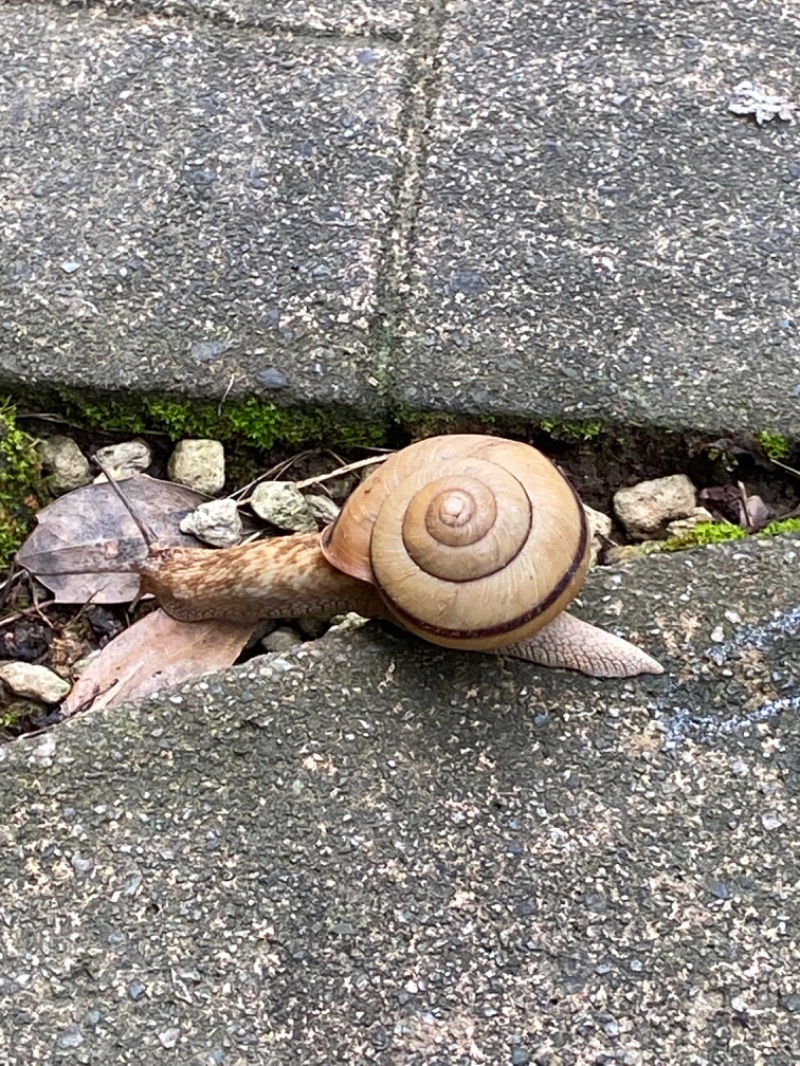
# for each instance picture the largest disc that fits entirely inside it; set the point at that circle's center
(572, 644)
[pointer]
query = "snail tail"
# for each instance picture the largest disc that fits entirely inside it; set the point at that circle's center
(572, 644)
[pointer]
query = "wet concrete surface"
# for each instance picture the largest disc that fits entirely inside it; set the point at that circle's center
(465, 208)
(371, 850)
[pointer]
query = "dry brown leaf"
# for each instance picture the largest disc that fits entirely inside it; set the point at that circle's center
(155, 652)
(86, 544)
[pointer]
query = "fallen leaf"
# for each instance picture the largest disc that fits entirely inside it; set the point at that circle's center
(155, 652)
(86, 545)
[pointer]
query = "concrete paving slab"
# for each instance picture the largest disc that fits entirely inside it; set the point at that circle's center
(598, 235)
(367, 18)
(370, 850)
(189, 206)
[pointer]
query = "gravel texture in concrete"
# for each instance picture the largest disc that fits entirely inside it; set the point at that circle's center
(188, 205)
(367, 849)
(371, 850)
(598, 235)
(357, 18)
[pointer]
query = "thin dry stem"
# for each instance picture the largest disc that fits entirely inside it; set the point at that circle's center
(149, 537)
(783, 466)
(317, 479)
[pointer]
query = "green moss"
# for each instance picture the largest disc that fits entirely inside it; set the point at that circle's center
(775, 445)
(782, 525)
(12, 717)
(706, 533)
(573, 432)
(422, 424)
(252, 422)
(723, 455)
(703, 534)
(19, 483)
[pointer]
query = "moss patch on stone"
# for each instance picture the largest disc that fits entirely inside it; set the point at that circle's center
(706, 533)
(703, 534)
(424, 424)
(252, 422)
(20, 474)
(573, 432)
(780, 526)
(775, 445)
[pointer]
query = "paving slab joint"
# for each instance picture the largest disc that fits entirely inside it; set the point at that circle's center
(394, 275)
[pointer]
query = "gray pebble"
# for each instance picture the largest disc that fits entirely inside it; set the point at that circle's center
(168, 1038)
(70, 1036)
(272, 378)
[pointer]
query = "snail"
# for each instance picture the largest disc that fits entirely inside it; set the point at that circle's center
(468, 541)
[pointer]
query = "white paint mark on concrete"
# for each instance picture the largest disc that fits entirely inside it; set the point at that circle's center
(681, 724)
(762, 636)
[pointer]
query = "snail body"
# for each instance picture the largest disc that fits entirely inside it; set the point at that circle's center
(468, 541)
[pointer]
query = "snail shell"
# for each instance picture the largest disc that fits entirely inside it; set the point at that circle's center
(472, 541)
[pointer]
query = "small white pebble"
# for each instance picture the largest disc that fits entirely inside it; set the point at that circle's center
(718, 634)
(215, 522)
(199, 465)
(772, 820)
(67, 465)
(284, 505)
(124, 460)
(168, 1038)
(34, 682)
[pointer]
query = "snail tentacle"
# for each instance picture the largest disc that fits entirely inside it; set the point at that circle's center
(572, 644)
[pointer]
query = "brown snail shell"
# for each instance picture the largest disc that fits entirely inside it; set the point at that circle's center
(472, 541)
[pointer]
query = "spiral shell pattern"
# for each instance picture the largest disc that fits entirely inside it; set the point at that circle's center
(472, 541)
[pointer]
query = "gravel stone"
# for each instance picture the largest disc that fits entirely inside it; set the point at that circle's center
(34, 682)
(66, 466)
(199, 465)
(216, 522)
(70, 1037)
(680, 526)
(284, 505)
(168, 1038)
(645, 509)
(125, 459)
(282, 638)
(323, 509)
(600, 526)
(272, 378)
